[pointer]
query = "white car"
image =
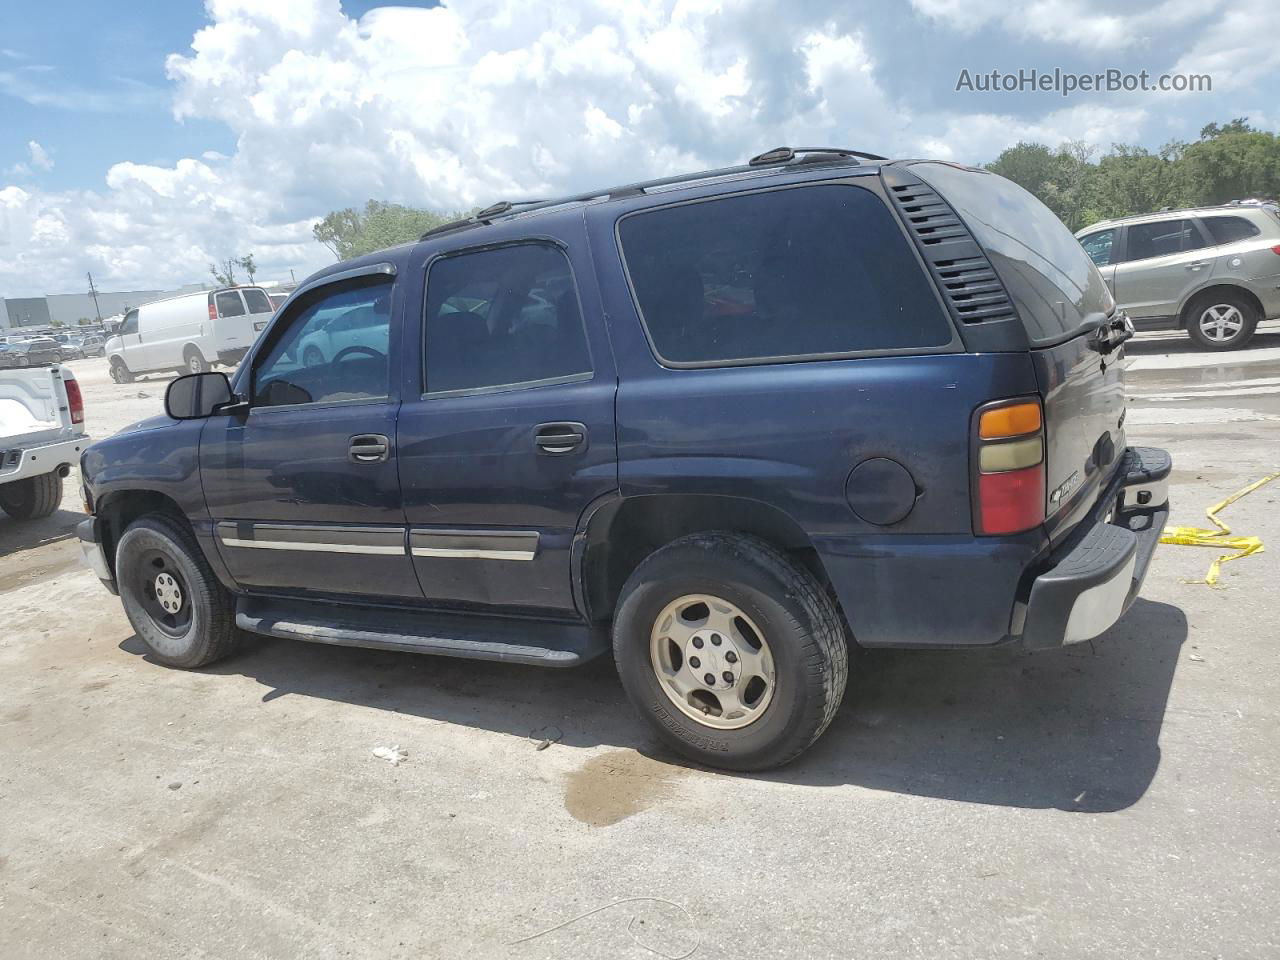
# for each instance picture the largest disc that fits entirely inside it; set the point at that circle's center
(41, 436)
(347, 330)
(188, 333)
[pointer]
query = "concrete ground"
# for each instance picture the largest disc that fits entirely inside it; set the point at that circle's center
(1117, 799)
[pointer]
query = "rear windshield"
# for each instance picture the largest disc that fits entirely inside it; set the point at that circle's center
(785, 274)
(256, 300)
(1056, 288)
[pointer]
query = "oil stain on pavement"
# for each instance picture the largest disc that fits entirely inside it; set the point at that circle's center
(612, 786)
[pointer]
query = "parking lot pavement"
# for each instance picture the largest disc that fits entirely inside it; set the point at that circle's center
(1118, 798)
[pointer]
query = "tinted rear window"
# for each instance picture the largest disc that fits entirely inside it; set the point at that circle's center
(1229, 229)
(799, 272)
(256, 301)
(1056, 288)
(230, 305)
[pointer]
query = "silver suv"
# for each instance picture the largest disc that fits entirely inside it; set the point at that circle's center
(1213, 271)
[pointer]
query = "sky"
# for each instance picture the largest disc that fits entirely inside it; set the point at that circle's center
(143, 139)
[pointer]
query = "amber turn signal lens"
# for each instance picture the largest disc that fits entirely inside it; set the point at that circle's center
(1011, 421)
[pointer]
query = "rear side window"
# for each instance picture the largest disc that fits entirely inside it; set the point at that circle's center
(230, 304)
(256, 300)
(503, 318)
(1229, 229)
(801, 272)
(1162, 239)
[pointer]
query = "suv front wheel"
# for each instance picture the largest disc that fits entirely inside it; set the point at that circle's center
(732, 651)
(1222, 321)
(176, 605)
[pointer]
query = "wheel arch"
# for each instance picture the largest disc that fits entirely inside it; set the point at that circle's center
(1217, 289)
(619, 532)
(116, 510)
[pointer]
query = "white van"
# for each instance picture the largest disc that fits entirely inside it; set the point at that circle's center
(188, 333)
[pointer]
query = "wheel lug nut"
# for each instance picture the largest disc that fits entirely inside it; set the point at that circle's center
(711, 679)
(715, 639)
(695, 662)
(731, 657)
(728, 677)
(697, 642)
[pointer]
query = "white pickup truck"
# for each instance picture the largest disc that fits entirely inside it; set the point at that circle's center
(41, 436)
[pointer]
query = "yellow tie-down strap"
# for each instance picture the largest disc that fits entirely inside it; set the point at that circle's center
(1221, 538)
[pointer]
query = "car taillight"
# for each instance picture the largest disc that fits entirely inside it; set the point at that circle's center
(75, 401)
(1276, 249)
(1009, 451)
(213, 311)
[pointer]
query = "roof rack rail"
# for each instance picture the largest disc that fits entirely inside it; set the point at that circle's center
(505, 208)
(787, 154)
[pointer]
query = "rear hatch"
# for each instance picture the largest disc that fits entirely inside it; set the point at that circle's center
(1065, 310)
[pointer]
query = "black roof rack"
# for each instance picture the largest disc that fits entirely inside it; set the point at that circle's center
(776, 156)
(787, 154)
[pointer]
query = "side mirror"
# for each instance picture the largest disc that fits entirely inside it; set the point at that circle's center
(197, 395)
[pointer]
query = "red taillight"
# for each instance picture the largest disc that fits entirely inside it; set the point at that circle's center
(75, 401)
(1276, 249)
(1009, 457)
(213, 311)
(1011, 502)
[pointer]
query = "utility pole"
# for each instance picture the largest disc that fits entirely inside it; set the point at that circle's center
(94, 293)
(291, 276)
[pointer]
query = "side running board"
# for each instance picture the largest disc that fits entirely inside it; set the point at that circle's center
(533, 642)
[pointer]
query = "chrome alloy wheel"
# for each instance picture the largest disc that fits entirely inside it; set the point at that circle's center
(712, 661)
(1221, 322)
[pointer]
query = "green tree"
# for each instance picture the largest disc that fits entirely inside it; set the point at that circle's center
(247, 263)
(1233, 162)
(350, 233)
(1060, 178)
(224, 272)
(1132, 180)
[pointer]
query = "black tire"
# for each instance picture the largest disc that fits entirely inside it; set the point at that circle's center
(121, 373)
(312, 357)
(1197, 308)
(203, 628)
(32, 497)
(195, 361)
(804, 632)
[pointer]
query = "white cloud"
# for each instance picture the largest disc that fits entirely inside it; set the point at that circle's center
(1092, 25)
(39, 156)
(480, 100)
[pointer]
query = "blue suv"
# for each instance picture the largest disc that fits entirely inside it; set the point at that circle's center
(725, 425)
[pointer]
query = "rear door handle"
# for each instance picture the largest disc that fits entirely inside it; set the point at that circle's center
(369, 448)
(557, 439)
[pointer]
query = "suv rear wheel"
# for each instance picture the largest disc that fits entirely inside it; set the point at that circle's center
(1221, 321)
(733, 652)
(171, 596)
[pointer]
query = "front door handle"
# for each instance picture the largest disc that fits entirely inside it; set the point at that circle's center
(557, 439)
(369, 448)
(1196, 265)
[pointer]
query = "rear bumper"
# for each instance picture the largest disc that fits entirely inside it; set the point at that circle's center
(1094, 577)
(91, 552)
(17, 463)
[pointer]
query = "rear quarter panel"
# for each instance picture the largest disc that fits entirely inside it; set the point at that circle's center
(789, 434)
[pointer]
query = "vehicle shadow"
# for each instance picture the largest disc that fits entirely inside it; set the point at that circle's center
(1076, 729)
(16, 535)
